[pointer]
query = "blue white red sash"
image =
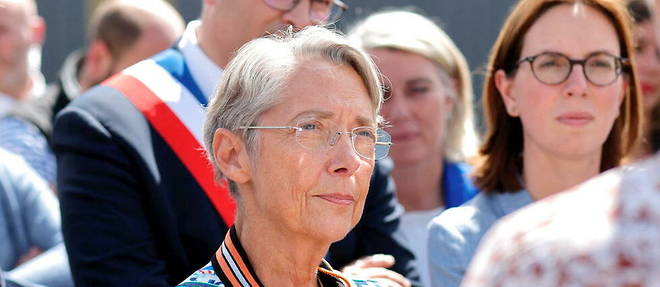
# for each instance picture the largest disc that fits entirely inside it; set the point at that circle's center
(177, 115)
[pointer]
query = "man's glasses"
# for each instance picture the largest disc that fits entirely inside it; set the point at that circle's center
(601, 69)
(320, 11)
(368, 142)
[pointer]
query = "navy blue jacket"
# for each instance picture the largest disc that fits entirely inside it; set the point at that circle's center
(131, 211)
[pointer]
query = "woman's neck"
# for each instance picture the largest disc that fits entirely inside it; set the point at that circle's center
(546, 174)
(280, 258)
(419, 185)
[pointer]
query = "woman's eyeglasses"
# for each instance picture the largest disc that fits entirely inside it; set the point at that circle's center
(367, 142)
(320, 11)
(601, 69)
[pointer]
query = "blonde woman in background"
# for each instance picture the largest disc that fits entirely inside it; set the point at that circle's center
(429, 111)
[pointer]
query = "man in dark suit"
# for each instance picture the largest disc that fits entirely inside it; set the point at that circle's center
(120, 34)
(139, 203)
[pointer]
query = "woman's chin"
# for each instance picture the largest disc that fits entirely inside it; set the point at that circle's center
(410, 157)
(331, 232)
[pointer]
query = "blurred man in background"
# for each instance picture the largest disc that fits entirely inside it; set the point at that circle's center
(120, 33)
(31, 246)
(21, 29)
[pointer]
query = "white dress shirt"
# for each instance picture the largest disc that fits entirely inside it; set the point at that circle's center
(204, 71)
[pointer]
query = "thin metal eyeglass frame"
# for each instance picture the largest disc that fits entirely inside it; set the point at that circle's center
(343, 7)
(332, 141)
(622, 62)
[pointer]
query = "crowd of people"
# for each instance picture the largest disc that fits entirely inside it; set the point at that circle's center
(286, 153)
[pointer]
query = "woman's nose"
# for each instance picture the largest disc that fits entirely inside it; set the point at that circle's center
(345, 160)
(576, 84)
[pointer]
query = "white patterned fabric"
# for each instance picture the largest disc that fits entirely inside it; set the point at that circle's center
(604, 232)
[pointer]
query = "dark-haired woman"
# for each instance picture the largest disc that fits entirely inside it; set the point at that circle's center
(562, 105)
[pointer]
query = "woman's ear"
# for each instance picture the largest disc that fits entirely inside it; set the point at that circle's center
(231, 156)
(503, 84)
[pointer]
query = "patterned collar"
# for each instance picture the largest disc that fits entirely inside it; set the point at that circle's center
(232, 266)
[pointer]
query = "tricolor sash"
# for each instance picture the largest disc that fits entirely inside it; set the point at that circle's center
(162, 89)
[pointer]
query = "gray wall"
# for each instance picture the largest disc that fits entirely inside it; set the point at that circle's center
(64, 32)
(473, 24)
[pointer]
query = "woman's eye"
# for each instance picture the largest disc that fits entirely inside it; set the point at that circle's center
(418, 91)
(366, 133)
(549, 64)
(310, 125)
(601, 64)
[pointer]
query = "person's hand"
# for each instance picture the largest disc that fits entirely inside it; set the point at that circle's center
(32, 253)
(374, 267)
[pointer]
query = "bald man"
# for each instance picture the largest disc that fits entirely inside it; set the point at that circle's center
(121, 33)
(20, 29)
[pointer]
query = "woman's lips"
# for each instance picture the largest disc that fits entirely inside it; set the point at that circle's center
(575, 118)
(338, 198)
(402, 137)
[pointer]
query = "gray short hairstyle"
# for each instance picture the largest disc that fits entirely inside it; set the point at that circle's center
(255, 77)
(413, 33)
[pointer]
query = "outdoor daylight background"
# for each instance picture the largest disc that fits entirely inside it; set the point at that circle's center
(472, 24)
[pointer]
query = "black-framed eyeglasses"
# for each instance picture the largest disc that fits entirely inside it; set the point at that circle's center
(320, 11)
(368, 142)
(600, 69)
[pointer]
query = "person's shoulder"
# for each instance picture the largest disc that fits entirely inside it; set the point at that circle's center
(105, 108)
(470, 216)
(98, 101)
(39, 110)
(459, 229)
(203, 277)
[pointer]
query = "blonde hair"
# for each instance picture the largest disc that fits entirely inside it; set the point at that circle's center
(413, 33)
(257, 74)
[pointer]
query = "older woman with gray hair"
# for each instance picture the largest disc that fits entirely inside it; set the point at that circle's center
(293, 127)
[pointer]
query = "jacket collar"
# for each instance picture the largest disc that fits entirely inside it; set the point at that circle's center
(508, 202)
(233, 267)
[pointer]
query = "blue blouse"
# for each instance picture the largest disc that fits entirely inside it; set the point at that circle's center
(455, 234)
